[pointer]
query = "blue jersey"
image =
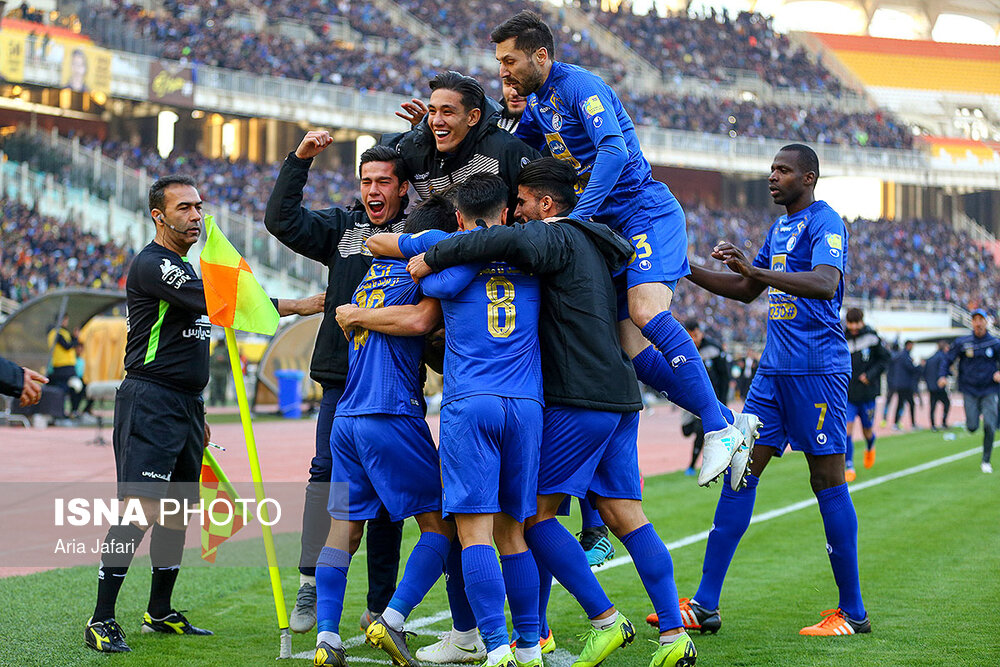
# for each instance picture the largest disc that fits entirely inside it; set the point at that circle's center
(491, 326)
(571, 114)
(804, 336)
(383, 372)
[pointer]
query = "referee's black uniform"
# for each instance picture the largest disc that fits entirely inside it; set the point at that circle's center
(159, 414)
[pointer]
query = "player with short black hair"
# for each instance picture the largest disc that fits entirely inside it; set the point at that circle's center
(869, 359)
(933, 369)
(800, 389)
(591, 406)
(457, 138)
(579, 119)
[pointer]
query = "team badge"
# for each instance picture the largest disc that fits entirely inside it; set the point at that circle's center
(556, 122)
(592, 106)
(791, 244)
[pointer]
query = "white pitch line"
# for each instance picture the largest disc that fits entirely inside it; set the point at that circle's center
(690, 539)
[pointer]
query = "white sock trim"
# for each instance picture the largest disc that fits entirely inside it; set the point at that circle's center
(605, 623)
(331, 638)
(393, 619)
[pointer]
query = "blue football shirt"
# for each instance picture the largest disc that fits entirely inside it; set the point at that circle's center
(804, 336)
(571, 114)
(490, 324)
(383, 372)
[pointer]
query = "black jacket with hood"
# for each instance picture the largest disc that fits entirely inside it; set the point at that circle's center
(486, 148)
(334, 237)
(583, 364)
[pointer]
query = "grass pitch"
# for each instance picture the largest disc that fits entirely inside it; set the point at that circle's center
(930, 574)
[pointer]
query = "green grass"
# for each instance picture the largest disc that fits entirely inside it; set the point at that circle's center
(930, 560)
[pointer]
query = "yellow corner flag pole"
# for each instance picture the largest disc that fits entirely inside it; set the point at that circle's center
(258, 487)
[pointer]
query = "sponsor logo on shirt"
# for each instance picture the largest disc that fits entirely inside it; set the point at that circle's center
(173, 275)
(155, 475)
(592, 106)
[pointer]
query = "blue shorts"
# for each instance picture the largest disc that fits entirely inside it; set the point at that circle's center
(806, 412)
(589, 451)
(654, 223)
(864, 410)
(383, 460)
(489, 455)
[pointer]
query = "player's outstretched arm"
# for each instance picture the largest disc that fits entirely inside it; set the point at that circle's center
(533, 246)
(310, 305)
(415, 320)
(385, 245)
(819, 283)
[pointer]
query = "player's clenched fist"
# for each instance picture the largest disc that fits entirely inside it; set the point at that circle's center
(32, 392)
(313, 144)
(418, 268)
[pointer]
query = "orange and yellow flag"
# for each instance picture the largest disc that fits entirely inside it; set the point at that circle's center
(226, 519)
(235, 299)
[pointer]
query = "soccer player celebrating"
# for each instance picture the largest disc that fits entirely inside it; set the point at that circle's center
(335, 237)
(491, 421)
(978, 358)
(591, 405)
(580, 120)
(383, 455)
(869, 359)
(800, 390)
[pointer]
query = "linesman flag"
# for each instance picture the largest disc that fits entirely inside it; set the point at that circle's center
(226, 519)
(235, 299)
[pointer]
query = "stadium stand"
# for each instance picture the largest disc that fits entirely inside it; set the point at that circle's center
(712, 47)
(756, 47)
(38, 253)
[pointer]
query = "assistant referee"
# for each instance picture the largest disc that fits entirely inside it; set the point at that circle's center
(159, 429)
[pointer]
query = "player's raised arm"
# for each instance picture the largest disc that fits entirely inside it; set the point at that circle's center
(534, 246)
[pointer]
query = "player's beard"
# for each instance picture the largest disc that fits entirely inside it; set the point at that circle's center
(532, 82)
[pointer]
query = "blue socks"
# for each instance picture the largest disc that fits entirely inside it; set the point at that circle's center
(841, 524)
(732, 517)
(870, 442)
(484, 587)
(591, 518)
(520, 576)
(688, 385)
(423, 567)
(462, 617)
(849, 454)
(656, 570)
(331, 582)
(559, 551)
(544, 591)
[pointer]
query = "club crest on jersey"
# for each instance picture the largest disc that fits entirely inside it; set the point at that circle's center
(173, 275)
(592, 106)
(791, 244)
(556, 122)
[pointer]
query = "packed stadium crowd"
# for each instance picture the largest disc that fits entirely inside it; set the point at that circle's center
(713, 46)
(39, 253)
(684, 41)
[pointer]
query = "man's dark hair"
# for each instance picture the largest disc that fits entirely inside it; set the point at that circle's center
(808, 160)
(530, 32)
(855, 315)
(383, 154)
(691, 325)
(473, 95)
(157, 198)
(482, 196)
(553, 177)
(435, 212)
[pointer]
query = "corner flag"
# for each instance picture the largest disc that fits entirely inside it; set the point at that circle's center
(215, 485)
(235, 299)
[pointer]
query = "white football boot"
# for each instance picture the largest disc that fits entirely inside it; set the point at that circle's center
(720, 447)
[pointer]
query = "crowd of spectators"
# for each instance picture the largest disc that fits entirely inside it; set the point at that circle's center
(181, 31)
(38, 253)
(710, 47)
(754, 119)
